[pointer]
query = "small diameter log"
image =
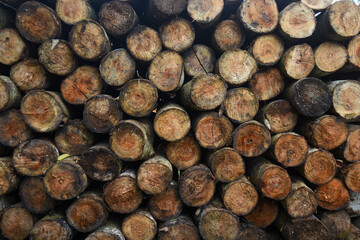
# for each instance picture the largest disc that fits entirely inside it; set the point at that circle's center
(89, 40)
(44, 111)
(177, 34)
(205, 13)
(240, 196)
(73, 138)
(298, 61)
(350, 176)
(138, 97)
(154, 175)
(228, 35)
(297, 21)
(132, 140)
(213, 131)
(329, 57)
(241, 104)
(12, 46)
(252, 232)
(226, 164)
(34, 157)
(117, 67)
(84, 83)
(33, 195)
(100, 163)
(16, 222)
(205, 92)
(264, 214)
(29, 75)
(198, 60)
(57, 57)
(352, 51)
(143, 43)
(251, 139)
(111, 230)
(117, 17)
(9, 94)
(140, 225)
(13, 129)
(267, 49)
(327, 132)
(310, 97)
(122, 194)
(350, 150)
(259, 16)
(301, 201)
(9, 180)
(289, 149)
(178, 228)
(65, 180)
(171, 122)
(267, 84)
(162, 9)
(346, 99)
(52, 227)
(71, 12)
(166, 71)
(338, 223)
(197, 186)
(319, 167)
(167, 204)
(278, 116)
(183, 153)
(236, 66)
(37, 22)
(102, 113)
(332, 195)
(317, 5)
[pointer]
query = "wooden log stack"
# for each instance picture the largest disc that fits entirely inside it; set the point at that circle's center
(179, 119)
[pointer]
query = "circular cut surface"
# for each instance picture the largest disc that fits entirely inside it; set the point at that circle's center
(301, 203)
(16, 223)
(346, 99)
(184, 153)
(240, 198)
(153, 178)
(4, 94)
(228, 35)
(177, 35)
(139, 226)
(299, 61)
(275, 182)
(291, 150)
(353, 50)
(267, 49)
(12, 46)
(280, 117)
(71, 12)
(352, 180)
(330, 56)
(204, 11)
(352, 146)
(333, 195)
(344, 17)
(50, 230)
(320, 167)
(264, 213)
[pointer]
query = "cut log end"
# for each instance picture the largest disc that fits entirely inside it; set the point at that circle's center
(275, 183)
(319, 167)
(9, 94)
(353, 49)
(177, 229)
(264, 213)
(51, 229)
(12, 46)
(228, 35)
(16, 223)
(139, 225)
(71, 13)
(332, 195)
(177, 35)
(329, 57)
(267, 84)
(163, 9)
(351, 150)
(350, 174)
(198, 60)
(205, 13)
(267, 49)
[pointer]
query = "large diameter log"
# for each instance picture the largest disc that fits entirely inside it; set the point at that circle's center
(338, 223)
(267, 49)
(349, 151)
(111, 230)
(205, 13)
(264, 214)
(201, 177)
(9, 94)
(132, 140)
(71, 12)
(34, 157)
(9, 180)
(89, 40)
(12, 46)
(37, 22)
(163, 9)
(350, 175)
(267, 84)
(44, 111)
(52, 227)
(332, 195)
(311, 97)
(140, 225)
(228, 35)
(198, 60)
(13, 128)
(178, 228)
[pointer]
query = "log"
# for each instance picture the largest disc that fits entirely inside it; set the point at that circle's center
(251, 139)
(102, 113)
(57, 57)
(89, 40)
(349, 150)
(205, 13)
(350, 176)
(140, 225)
(253, 232)
(198, 60)
(117, 67)
(317, 5)
(171, 122)
(34, 157)
(353, 59)
(205, 92)
(71, 12)
(166, 71)
(12, 46)
(154, 175)
(84, 83)
(143, 43)
(37, 22)
(100, 163)
(267, 84)
(52, 227)
(196, 186)
(163, 9)
(109, 231)
(122, 194)
(338, 223)
(228, 35)
(65, 180)
(354, 233)
(236, 66)
(310, 97)
(264, 214)
(183, 153)
(332, 195)
(117, 17)
(9, 180)
(33, 195)
(213, 131)
(132, 140)
(29, 75)
(177, 34)
(138, 97)
(178, 228)
(73, 138)
(13, 129)
(267, 49)
(9, 94)
(44, 111)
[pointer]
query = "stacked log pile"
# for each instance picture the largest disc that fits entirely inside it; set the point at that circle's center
(179, 119)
